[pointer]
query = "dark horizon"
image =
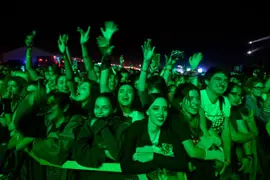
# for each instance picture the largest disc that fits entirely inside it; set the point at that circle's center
(223, 41)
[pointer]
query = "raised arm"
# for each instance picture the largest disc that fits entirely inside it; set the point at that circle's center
(105, 47)
(29, 66)
(89, 66)
(62, 45)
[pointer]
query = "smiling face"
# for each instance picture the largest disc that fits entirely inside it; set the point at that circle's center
(125, 95)
(218, 83)
(191, 103)
(158, 112)
(103, 107)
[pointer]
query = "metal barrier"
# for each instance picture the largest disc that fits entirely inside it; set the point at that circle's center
(105, 167)
(108, 167)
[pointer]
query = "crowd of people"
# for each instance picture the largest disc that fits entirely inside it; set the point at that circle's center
(157, 124)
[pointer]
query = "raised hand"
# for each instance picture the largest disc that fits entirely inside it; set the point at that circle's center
(65, 38)
(104, 45)
(29, 39)
(148, 51)
(195, 60)
(121, 59)
(110, 29)
(84, 35)
(62, 43)
(102, 42)
(155, 64)
(175, 55)
(40, 94)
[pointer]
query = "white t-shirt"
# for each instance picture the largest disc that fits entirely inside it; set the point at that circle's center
(213, 111)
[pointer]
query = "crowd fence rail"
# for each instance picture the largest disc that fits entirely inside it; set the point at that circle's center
(73, 165)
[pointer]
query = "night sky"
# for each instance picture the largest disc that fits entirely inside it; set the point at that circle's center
(222, 34)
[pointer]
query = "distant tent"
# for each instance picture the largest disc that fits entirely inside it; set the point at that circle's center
(18, 55)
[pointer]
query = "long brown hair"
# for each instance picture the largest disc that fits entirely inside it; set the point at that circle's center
(181, 92)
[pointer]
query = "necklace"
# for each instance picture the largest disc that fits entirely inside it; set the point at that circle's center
(154, 139)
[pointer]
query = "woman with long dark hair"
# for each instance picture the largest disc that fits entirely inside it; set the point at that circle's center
(99, 140)
(185, 121)
(150, 147)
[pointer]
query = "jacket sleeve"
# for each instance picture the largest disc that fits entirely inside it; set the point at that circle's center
(84, 152)
(114, 140)
(56, 148)
(129, 166)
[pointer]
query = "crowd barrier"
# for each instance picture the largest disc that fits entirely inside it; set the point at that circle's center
(108, 167)
(105, 167)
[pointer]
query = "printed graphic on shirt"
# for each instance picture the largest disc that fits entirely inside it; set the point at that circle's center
(213, 112)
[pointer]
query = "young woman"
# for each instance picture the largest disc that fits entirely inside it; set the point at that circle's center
(255, 101)
(185, 121)
(243, 133)
(100, 138)
(150, 145)
(87, 92)
(128, 102)
(63, 125)
(50, 129)
(261, 108)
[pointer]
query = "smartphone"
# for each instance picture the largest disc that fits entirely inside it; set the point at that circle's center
(178, 55)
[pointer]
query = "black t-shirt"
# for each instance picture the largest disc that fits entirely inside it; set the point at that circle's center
(180, 126)
(235, 115)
